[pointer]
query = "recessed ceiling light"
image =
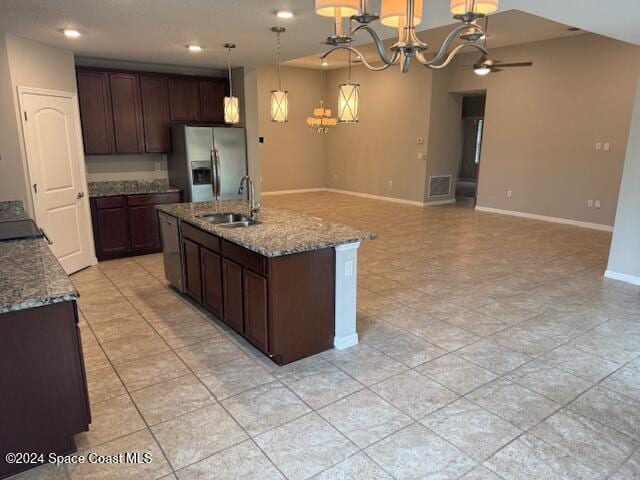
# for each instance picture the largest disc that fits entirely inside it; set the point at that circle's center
(71, 33)
(194, 48)
(284, 14)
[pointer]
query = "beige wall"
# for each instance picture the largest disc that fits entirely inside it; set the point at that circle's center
(624, 258)
(292, 156)
(29, 64)
(445, 134)
(150, 166)
(542, 124)
(383, 147)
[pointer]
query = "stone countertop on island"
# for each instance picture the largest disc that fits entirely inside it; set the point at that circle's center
(129, 187)
(280, 232)
(30, 276)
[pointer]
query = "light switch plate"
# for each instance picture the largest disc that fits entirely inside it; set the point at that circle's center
(606, 147)
(598, 145)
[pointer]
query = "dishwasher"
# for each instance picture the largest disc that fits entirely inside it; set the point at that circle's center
(171, 251)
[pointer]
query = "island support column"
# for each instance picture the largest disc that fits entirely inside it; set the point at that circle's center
(346, 290)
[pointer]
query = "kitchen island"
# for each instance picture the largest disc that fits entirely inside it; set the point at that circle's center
(287, 284)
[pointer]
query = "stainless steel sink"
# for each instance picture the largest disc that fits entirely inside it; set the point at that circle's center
(224, 217)
(229, 220)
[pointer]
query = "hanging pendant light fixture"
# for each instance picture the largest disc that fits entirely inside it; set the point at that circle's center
(321, 121)
(279, 97)
(349, 100)
(231, 103)
(405, 15)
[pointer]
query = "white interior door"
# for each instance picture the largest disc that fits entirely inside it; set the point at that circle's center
(56, 169)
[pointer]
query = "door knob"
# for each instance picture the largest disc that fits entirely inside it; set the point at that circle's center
(80, 194)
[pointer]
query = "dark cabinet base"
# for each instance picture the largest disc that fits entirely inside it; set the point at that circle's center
(127, 225)
(44, 400)
(284, 306)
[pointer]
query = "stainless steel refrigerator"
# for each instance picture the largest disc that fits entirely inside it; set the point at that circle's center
(207, 162)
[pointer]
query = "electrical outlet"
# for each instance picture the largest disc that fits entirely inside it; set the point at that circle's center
(156, 165)
(348, 269)
(598, 145)
(597, 204)
(606, 146)
(335, 176)
(590, 203)
(509, 193)
(391, 183)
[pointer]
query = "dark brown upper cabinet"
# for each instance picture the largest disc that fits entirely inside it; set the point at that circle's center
(130, 112)
(154, 91)
(127, 112)
(212, 93)
(94, 96)
(184, 99)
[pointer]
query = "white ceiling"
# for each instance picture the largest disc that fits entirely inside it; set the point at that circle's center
(156, 31)
(506, 28)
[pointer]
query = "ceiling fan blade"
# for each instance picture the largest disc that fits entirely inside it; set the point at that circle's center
(518, 64)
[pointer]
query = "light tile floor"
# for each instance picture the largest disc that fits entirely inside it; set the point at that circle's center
(491, 348)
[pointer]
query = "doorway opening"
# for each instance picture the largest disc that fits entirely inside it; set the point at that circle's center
(473, 106)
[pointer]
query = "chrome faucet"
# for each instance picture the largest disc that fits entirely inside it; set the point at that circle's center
(255, 205)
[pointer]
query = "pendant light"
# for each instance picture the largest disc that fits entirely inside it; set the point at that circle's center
(279, 97)
(321, 121)
(348, 100)
(231, 103)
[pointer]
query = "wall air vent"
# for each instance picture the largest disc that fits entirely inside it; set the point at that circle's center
(440, 186)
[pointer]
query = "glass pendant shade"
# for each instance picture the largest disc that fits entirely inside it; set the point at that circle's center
(231, 110)
(342, 8)
(485, 7)
(348, 100)
(279, 106)
(394, 13)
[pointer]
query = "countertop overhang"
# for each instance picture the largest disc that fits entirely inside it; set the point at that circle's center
(280, 232)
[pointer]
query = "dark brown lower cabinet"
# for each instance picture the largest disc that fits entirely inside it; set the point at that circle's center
(284, 306)
(113, 237)
(233, 298)
(125, 225)
(44, 400)
(256, 316)
(143, 228)
(212, 296)
(192, 274)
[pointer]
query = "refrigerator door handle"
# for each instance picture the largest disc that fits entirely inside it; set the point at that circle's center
(218, 173)
(214, 169)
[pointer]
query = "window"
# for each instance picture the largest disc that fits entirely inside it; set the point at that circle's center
(479, 141)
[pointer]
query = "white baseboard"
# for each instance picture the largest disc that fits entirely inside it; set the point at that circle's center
(623, 277)
(302, 190)
(533, 216)
(436, 203)
(377, 197)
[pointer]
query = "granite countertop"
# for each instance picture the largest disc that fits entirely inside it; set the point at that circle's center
(281, 232)
(12, 211)
(129, 187)
(30, 276)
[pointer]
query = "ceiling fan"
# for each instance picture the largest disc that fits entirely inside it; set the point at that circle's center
(485, 65)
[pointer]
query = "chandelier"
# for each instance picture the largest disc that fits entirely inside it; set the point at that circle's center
(321, 121)
(404, 15)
